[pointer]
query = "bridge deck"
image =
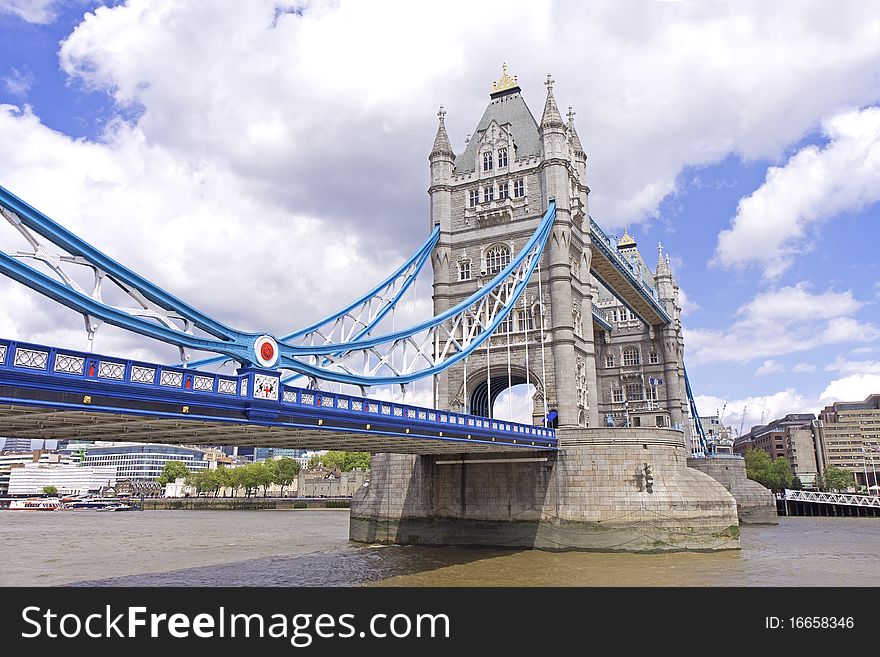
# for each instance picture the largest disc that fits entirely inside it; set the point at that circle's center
(57, 393)
(612, 269)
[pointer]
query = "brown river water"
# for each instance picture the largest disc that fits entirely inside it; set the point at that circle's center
(311, 548)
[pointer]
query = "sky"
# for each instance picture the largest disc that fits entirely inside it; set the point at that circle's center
(267, 160)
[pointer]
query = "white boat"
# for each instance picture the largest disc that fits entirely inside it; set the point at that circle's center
(35, 504)
(115, 507)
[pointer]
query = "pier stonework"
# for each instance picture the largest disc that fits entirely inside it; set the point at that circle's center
(755, 503)
(605, 489)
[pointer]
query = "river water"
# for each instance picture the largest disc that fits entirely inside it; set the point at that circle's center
(311, 548)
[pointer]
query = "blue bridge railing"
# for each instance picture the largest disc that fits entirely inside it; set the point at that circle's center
(52, 369)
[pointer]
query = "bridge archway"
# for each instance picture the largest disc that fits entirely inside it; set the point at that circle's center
(484, 393)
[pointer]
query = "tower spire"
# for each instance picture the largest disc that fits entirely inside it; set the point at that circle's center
(576, 144)
(441, 141)
(663, 268)
(551, 116)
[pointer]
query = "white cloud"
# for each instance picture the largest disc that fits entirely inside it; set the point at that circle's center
(332, 82)
(855, 387)
(32, 11)
(18, 83)
(777, 221)
(749, 411)
(781, 321)
(770, 367)
(803, 368)
(688, 305)
(854, 366)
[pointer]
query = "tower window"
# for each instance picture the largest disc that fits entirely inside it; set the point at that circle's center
(526, 321)
(631, 357)
(653, 358)
(617, 395)
(488, 193)
(487, 161)
(634, 392)
(502, 157)
(497, 258)
(609, 360)
(519, 188)
(506, 325)
(464, 270)
(502, 191)
(473, 198)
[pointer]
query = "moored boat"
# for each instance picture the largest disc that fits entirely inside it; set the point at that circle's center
(35, 504)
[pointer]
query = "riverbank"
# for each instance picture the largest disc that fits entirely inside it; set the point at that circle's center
(242, 504)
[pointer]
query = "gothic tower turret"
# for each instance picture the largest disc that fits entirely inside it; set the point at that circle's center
(442, 162)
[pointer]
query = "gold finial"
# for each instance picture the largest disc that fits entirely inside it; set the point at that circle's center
(506, 82)
(626, 240)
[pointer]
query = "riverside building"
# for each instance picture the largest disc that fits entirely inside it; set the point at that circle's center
(850, 432)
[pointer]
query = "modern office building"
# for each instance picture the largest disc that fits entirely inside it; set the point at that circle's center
(795, 437)
(18, 444)
(851, 435)
(32, 478)
(12, 460)
(141, 462)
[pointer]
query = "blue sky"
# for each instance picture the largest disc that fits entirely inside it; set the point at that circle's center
(746, 139)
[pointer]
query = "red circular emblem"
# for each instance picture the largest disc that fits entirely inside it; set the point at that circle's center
(267, 351)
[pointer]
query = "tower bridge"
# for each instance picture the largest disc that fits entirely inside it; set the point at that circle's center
(527, 289)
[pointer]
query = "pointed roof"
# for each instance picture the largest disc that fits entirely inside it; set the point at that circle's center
(508, 109)
(551, 116)
(441, 141)
(662, 263)
(576, 145)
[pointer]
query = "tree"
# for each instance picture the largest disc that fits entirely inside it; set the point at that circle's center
(342, 461)
(267, 472)
(50, 490)
(287, 470)
(775, 474)
(223, 479)
(796, 484)
(249, 477)
(837, 479)
(235, 479)
(172, 471)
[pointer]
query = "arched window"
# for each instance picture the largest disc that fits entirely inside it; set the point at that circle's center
(464, 270)
(609, 360)
(653, 358)
(631, 356)
(497, 258)
(487, 161)
(502, 157)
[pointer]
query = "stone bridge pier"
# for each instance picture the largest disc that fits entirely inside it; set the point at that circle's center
(604, 489)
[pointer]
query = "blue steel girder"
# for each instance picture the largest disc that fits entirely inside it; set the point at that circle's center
(360, 317)
(698, 423)
(430, 346)
(617, 274)
(50, 392)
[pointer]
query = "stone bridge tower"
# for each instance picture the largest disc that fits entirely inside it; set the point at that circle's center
(488, 201)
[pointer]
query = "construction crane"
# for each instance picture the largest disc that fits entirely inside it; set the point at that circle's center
(743, 420)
